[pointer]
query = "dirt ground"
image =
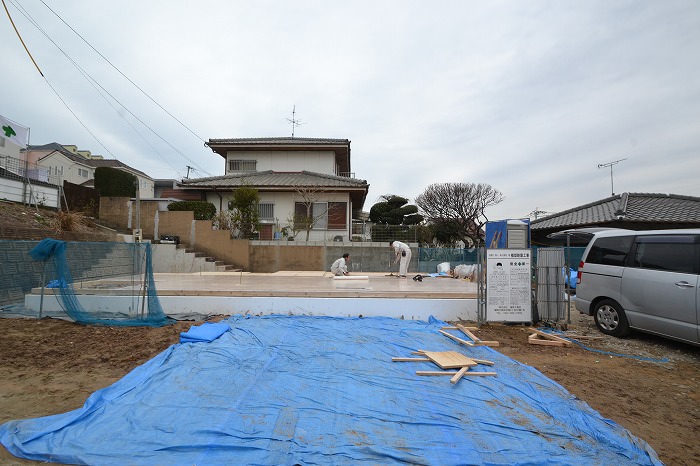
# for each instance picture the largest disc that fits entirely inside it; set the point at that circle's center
(51, 366)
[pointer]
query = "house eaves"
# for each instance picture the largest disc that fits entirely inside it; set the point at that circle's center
(276, 180)
(70, 156)
(341, 147)
(269, 180)
(114, 163)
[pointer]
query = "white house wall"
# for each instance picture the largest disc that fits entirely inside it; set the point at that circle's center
(288, 161)
(68, 170)
(284, 211)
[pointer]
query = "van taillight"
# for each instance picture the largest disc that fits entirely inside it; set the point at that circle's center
(580, 273)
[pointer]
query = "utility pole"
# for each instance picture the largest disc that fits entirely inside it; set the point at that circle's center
(611, 164)
(187, 177)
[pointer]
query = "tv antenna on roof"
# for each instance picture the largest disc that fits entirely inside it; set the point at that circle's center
(611, 164)
(293, 120)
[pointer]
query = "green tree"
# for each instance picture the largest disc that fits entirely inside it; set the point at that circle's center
(113, 182)
(245, 217)
(394, 210)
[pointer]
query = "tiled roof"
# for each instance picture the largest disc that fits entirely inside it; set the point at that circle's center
(629, 207)
(56, 147)
(272, 179)
(113, 163)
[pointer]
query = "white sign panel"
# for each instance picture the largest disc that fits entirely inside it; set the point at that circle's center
(508, 285)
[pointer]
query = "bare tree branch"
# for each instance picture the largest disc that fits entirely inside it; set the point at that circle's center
(462, 204)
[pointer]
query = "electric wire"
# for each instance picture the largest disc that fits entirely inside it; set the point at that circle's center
(123, 75)
(97, 86)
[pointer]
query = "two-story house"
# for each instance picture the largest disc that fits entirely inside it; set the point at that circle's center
(75, 166)
(293, 176)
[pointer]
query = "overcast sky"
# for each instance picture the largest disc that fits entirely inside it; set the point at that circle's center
(527, 96)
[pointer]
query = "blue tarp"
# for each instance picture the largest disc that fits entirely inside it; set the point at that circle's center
(289, 390)
(204, 333)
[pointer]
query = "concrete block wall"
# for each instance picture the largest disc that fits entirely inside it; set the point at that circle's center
(369, 256)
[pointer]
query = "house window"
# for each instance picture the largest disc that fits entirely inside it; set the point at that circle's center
(337, 215)
(266, 211)
(82, 172)
(242, 165)
(320, 215)
(323, 215)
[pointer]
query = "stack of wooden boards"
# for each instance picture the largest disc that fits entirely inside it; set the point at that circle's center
(538, 337)
(452, 359)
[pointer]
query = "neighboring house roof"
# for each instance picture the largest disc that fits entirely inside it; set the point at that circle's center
(114, 163)
(58, 148)
(90, 162)
(626, 209)
(341, 147)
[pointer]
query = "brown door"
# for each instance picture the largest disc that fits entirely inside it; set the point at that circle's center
(266, 232)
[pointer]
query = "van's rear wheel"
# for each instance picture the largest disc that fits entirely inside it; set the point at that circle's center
(611, 319)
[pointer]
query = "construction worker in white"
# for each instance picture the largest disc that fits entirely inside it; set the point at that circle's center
(403, 256)
(340, 266)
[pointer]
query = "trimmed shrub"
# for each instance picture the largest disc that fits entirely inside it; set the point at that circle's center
(202, 210)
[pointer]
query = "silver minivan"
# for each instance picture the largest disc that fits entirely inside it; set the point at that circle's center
(642, 280)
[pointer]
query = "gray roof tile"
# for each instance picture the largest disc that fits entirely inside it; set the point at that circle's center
(634, 207)
(272, 179)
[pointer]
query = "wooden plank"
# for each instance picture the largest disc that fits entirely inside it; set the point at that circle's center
(549, 336)
(468, 333)
(487, 343)
(457, 339)
(478, 361)
(536, 339)
(459, 375)
(449, 359)
(410, 360)
(452, 373)
(483, 361)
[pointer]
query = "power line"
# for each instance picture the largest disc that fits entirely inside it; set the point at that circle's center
(95, 85)
(123, 75)
(20, 38)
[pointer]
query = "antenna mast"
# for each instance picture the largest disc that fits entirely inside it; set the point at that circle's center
(611, 164)
(293, 120)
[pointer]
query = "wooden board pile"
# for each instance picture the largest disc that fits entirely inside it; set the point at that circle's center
(452, 359)
(538, 337)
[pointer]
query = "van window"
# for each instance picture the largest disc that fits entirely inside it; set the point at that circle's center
(670, 253)
(610, 251)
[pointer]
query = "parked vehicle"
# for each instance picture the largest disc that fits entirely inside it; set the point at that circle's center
(642, 280)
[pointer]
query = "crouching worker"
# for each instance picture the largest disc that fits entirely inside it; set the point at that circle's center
(340, 266)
